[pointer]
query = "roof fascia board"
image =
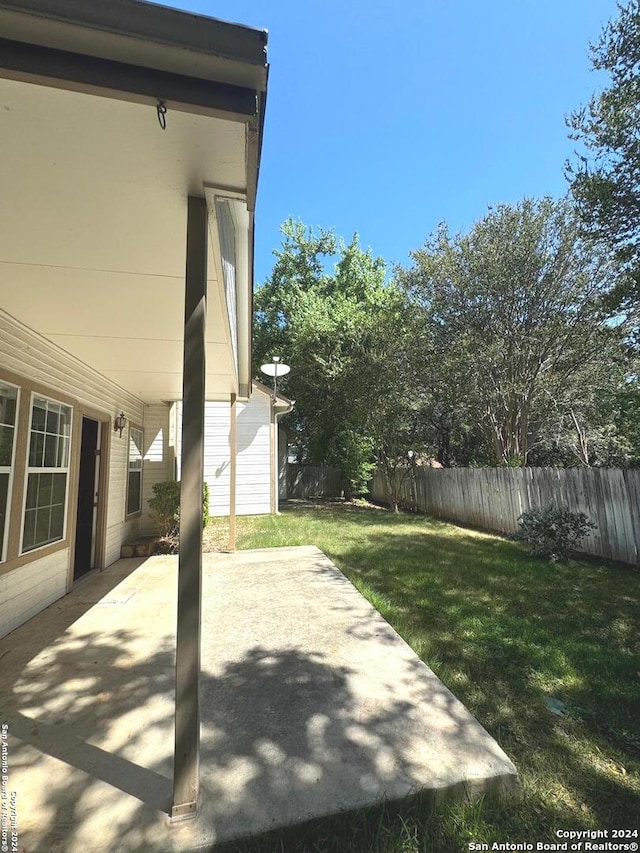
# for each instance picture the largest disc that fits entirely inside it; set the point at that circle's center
(259, 386)
(78, 72)
(149, 21)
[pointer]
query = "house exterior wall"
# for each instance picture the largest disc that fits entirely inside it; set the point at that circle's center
(283, 453)
(253, 476)
(118, 528)
(28, 589)
(253, 489)
(159, 456)
(30, 582)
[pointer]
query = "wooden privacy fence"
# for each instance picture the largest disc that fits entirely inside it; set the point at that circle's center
(310, 481)
(494, 498)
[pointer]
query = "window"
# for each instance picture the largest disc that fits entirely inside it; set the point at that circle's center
(134, 480)
(8, 409)
(47, 473)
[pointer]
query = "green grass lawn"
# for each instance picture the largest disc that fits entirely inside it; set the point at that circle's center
(505, 632)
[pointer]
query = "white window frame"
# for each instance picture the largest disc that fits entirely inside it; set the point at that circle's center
(46, 470)
(10, 470)
(131, 470)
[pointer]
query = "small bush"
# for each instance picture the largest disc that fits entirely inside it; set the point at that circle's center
(553, 532)
(165, 507)
(205, 503)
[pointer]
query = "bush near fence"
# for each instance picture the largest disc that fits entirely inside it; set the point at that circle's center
(310, 481)
(494, 499)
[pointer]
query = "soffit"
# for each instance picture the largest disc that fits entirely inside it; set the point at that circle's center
(92, 243)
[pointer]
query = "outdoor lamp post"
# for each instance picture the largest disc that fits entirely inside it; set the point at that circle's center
(275, 368)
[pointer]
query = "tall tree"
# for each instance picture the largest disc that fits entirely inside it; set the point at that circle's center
(597, 422)
(606, 180)
(327, 311)
(514, 310)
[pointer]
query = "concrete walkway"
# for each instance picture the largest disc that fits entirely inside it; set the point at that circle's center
(312, 705)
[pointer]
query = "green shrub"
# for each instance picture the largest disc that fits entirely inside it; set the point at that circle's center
(165, 507)
(205, 503)
(553, 532)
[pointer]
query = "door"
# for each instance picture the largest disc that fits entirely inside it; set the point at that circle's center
(88, 490)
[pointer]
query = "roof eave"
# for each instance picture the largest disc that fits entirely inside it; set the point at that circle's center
(151, 22)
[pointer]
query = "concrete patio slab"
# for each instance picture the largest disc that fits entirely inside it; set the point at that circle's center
(312, 705)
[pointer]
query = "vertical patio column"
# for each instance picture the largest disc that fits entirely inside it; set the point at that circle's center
(186, 768)
(273, 457)
(233, 449)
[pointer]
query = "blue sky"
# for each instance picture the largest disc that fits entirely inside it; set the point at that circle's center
(386, 117)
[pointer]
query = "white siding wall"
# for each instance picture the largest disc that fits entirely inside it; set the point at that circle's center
(217, 458)
(253, 490)
(32, 587)
(29, 589)
(253, 495)
(159, 455)
(283, 452)
(29, 355)
(118, 530)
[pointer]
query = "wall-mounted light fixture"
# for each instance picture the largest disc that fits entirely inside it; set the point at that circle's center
(119, 423)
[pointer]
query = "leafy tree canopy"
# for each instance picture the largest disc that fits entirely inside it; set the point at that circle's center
(606, 180)
(514, 325)
(327, 311)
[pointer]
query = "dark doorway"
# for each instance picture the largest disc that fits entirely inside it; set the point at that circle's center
(84, 559)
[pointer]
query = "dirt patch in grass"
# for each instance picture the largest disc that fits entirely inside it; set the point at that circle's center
(216, 534)
(294, 504)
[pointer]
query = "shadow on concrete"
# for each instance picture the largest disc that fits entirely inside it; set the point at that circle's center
(145, 785)
(57, 617)
(278, 737)
(85, 704)
(310, 706)
(283, 740)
